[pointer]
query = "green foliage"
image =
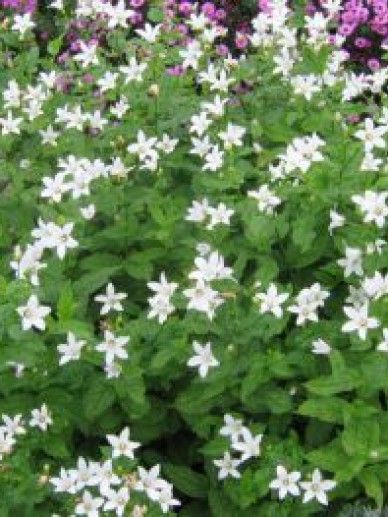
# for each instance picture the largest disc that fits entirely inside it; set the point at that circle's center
(326, 411)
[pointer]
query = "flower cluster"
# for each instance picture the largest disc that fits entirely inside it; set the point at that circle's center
(228, 22)
(190, 234)
(363, 27)
(102, 488)
(13, 427)
(24, 6)
(288, 483)
(242, 441)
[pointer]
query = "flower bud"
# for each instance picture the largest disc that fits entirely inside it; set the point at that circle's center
(153, 90)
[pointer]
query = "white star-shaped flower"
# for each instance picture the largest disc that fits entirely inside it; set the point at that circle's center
(272, 301)
(113, 346)
(249, 446)
(122, 445)
(111, 301)
(41, 418)
(359, 321)
(33, 314)
(383, 345)
(227, 467)
(203, 358)
(285, 482)
(71, 350)
(317, 488)
(22, 23)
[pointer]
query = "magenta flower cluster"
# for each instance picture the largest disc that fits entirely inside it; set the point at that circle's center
(94, 31)
(24, 6)
(139, 7)
(364, 25)
(225, 13)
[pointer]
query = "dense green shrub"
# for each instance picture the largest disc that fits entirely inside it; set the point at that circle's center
(193, 274)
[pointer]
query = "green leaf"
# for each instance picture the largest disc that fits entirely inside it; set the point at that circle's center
(187, 480)
(304, 231)
(327, 386)
(360, 437)
(250, 487)
(220, 505)
(372, 486)
(92, 281)
(332, 458)
(215, 447)
(98, 398)
(55, 446)
(54, 45)
(257, 374)
(328, 409)
(66, 304)
(374, 370)
(155, 15)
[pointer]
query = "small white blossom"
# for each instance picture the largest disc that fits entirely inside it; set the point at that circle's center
(372, 204)
(232, 136)
(71, 350)
(89, 505)
(88, 212)
(13, 426)
(227, 467)
(116, 500)
(149, 33)
(359, 321)
(371, 135)
(203, 298)
(320, 347)
(266, 200)
(113, 346)
(352, 263)
(166, 500)
(286, 482)
(383, 345)
(150, 482)
(66, 482)
(122, 445)
(41, 418)
(22, 23)
(233, 427)
(271, 301)
(7, 442)
(111, 301)
(203, 358)
(87, 55)
(249, 446)
(317, 488)
(134, 71)
(33, 314)
(336, 221)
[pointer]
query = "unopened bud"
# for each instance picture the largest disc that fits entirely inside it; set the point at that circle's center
(154, 90)
(43, 479)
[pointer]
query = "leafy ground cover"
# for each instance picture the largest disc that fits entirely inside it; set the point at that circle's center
(193, 290)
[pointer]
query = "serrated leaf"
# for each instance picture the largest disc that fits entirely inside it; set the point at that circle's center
(187, 480)
(98, 398)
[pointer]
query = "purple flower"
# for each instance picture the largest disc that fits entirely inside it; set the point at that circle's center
(175, 70)
(136, 3)
(209, 9)
(373, 63)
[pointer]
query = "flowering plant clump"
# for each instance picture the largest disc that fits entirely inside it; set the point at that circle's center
(231, 20)
(362, 25)
(193, 289)
(25, 6)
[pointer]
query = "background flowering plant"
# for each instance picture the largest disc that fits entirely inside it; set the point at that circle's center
(363, 26)
(193, 293)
